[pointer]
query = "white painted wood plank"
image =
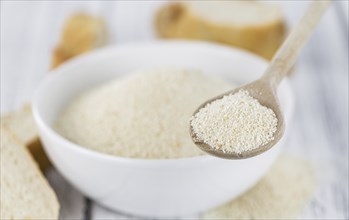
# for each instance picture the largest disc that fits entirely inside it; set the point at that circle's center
(15, 20)
(100, 212)
(344, 6)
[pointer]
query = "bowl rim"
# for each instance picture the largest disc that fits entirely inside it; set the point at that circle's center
(52, 75)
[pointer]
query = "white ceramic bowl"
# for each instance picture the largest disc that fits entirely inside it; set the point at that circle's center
(163, 188)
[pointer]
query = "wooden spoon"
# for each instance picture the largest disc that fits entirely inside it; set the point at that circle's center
(265, 88)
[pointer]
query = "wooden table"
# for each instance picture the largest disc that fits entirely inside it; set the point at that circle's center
(30, 30)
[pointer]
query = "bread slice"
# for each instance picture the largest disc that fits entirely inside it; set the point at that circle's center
(22, 124)
(252, 25)
(81, 33)
(25, 194)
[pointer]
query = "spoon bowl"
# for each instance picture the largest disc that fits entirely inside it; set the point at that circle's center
(266, 95)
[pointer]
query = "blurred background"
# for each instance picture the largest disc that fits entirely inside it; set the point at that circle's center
(31, 31)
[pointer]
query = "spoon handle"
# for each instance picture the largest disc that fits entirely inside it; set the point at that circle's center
(286, 55)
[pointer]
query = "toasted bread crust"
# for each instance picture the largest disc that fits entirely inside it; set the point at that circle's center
(176, 21)
(81, 33)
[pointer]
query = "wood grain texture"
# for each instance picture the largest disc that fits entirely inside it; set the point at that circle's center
(319, 133)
